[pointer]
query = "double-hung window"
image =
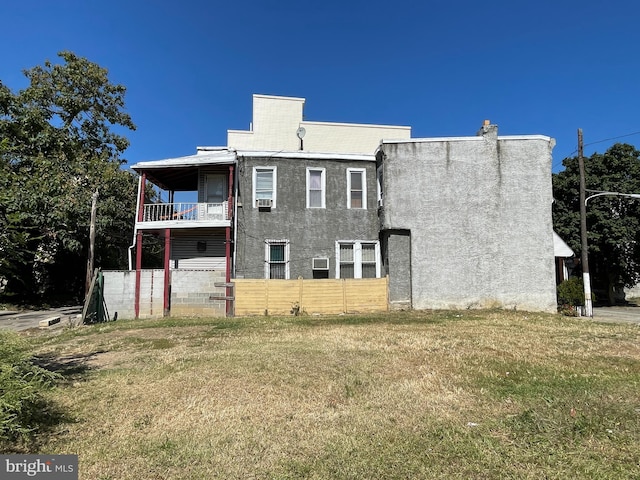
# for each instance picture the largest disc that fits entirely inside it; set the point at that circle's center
(276, 254)
(264, 187)
(357, 259)
(316, 187)
(356, 188)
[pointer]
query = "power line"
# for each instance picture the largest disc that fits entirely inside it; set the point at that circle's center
(612, 138)
(558, 163)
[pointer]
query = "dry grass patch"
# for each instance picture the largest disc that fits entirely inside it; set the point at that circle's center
(485, 394)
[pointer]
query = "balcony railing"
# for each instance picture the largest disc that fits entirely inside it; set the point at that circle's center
(186, 212)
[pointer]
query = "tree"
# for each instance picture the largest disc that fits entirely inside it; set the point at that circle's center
(13, 238)
(58, 145)
(613, 222)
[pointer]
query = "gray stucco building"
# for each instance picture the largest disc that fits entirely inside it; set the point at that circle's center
(307, 215)
(466, 222)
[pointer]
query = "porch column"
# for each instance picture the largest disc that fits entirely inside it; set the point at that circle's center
(140, 212)
(227, 290)
(167, 272)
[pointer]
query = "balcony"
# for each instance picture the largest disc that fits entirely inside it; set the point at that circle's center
(185, 215)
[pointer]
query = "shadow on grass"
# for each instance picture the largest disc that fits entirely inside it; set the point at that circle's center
(69, 367)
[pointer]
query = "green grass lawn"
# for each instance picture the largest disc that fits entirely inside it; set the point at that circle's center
(473, 394)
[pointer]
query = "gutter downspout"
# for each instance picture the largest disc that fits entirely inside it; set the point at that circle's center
(143, 180)
(135, 227)
(235, 218)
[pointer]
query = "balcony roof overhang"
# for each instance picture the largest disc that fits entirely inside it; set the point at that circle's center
(181, 174)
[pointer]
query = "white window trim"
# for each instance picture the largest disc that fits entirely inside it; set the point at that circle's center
(364, 187)
(323, 180)
(275, 183)
(357, 256)
(267, 259)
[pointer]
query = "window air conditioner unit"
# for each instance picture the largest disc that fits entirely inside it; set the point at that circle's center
(320, 264)
(264, 202)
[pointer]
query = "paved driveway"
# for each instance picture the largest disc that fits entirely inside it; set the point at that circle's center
(630, 314)
(10, 320)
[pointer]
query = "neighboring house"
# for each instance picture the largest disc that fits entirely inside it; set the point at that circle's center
(565, 258)
(466, 222)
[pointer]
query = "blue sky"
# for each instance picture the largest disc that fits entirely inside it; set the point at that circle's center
(441, 67)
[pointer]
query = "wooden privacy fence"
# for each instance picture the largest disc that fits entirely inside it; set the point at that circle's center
(310, 296)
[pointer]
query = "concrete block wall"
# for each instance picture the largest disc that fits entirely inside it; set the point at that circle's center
(151, 293)
(119, 293)
(191, 291)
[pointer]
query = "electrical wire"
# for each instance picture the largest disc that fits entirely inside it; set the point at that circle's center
(556, 164)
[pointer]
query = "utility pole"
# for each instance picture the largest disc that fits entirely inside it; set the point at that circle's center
(586, 280)
(92, 241)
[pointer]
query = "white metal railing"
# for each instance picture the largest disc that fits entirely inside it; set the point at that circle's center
(187, 212)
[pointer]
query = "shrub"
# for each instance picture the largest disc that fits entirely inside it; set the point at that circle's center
(23, 409)
(571, 292)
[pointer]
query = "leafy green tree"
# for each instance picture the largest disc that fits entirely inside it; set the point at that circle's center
(60, 143)
(613, 222)
(13, 238)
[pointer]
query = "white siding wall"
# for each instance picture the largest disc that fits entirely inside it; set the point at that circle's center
(185, 253)
(349, 138)
(276, 120)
